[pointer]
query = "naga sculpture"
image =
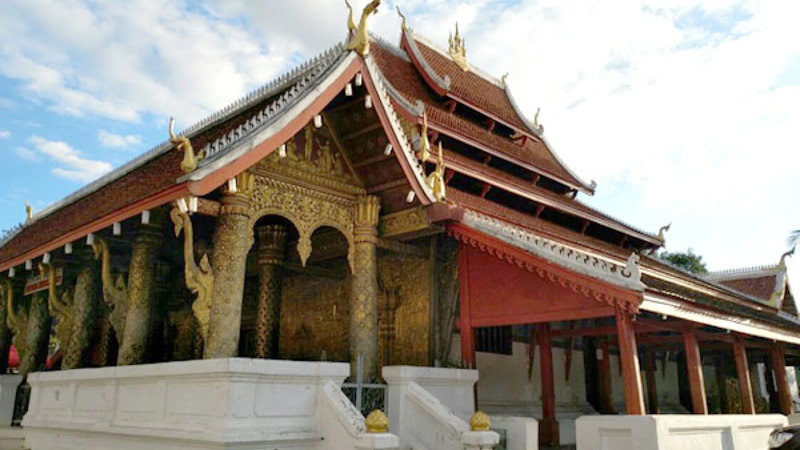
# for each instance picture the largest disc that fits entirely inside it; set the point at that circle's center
(199, 279)
(424, 151)
(115, 290)
(351, 26)
(17, 321)
(182, 143)
(60, 309)
(360, 40)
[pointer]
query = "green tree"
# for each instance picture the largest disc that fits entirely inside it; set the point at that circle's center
(688, 261)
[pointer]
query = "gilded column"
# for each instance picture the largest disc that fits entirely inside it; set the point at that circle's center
(38, 335)
(141, 293)
(5, 332)
(233, 237)
(364, 288)
(271, 250)
(84, 312)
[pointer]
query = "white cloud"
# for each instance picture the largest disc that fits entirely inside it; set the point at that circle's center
(113, 140)
(27, 154)
(73, 165)
(5, 134)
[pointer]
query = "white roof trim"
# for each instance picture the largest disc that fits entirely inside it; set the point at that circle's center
(661, 305)
(627, 276)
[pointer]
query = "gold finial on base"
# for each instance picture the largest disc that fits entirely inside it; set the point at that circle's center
(28, 211)
(182, 143)
(403, 25)
(458, 50)
(480, 421)
(360, 40)
(377, 422)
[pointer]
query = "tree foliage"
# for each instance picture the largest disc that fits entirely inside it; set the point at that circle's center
(688, 261)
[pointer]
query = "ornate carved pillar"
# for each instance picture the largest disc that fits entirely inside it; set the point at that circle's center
(84, 312)
(271, 251)
(38, 335)
(141, 293)
(233, 237)
(5, 331)
(364, 289)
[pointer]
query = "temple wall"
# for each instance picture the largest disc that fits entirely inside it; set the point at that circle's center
(409, 279)
(314, 318)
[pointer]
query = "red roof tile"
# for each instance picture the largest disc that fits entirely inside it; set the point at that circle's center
(760, 287)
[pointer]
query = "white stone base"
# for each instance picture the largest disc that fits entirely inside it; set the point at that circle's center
(521, 433)
(677, 432)
(235, 403)
(8, 392)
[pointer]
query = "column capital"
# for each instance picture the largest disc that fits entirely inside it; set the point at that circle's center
(367, 216)
(271, 243)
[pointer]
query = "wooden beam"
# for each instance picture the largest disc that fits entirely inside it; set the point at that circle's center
(371, 160)
(393, 184)
(450, 105)
(490, 124)
(465, 325)
(361, 132)
(539, 210)
(694, 366)
(782, 383)
(486, 159)
(592, 331)
(486, 188)
(548, 426)
(342, 150)
(629, 358)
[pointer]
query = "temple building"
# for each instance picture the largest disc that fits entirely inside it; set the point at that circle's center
(382, 214)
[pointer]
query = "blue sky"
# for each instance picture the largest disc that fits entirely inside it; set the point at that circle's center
(683, 111)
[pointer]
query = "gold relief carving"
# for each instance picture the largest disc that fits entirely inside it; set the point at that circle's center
(182, 143)
(404, 300)
(364, 288)
(306, 208)
(82, 312)
(5, 332)
(312, 159)
(115, 290)
(199, 278)
(187, 335)
(367, 215)
(402, 222)
(37, 334)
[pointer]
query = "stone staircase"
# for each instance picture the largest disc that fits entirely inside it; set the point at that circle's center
(12, 438)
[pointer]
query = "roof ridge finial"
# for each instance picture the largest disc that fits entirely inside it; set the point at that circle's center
(782, 263)
(351, 25)
(539, 128)
(458, 49)
(424, 151)
(662, 230)
(360, 40)
(403, 25)
(28, 211)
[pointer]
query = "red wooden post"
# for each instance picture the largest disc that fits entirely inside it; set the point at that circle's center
(779, 368)
(465, 325)
(606, 400)
(694, 365)
(652, 391)
(745, 388)
(629, 356)
(548, 427)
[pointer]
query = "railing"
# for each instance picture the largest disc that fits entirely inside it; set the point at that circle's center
(366, 397)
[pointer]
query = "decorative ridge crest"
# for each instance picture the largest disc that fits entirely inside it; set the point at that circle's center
(457, 49)
(389, 46)
(435, 47)
(628, 276)
(394, 120)
(443, 83)
(302, 79)
(265, 91)
(744, 272)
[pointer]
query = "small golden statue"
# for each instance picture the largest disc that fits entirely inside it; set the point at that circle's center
(182, 143)
(480, 421)
(424, 151)
(377, 422)
(360, 40)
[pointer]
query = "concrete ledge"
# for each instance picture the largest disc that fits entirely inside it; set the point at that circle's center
(209, 404)
(677, 432)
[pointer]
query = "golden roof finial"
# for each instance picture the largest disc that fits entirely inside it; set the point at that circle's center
(351, 26)
(458, 50)
(28, 211)
(403, 17)
(663, 230)
(377, 422)
(435, 180)
(182, 143)
(480, 421)
(503, 79)
(536, 125)
(360, 39)
(424, 151)
(782, 263)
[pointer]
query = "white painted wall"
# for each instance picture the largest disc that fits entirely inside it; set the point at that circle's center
(8, 392)
(677, 432)
(209, 404)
